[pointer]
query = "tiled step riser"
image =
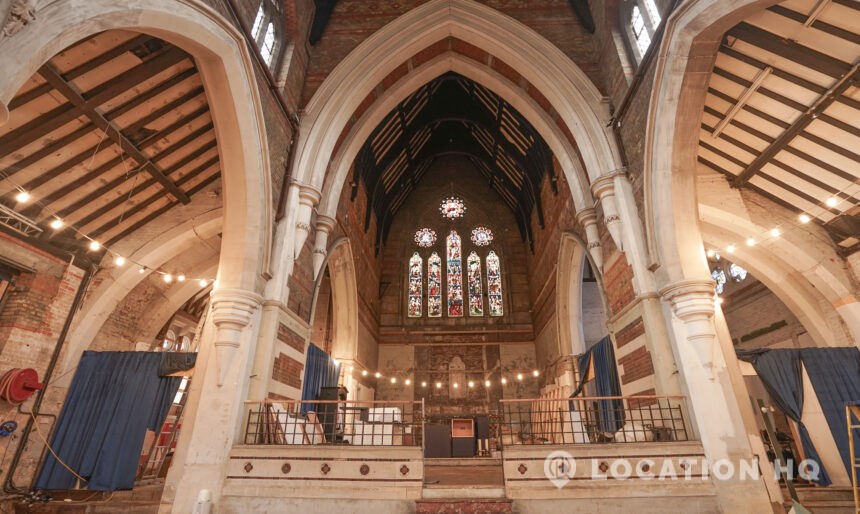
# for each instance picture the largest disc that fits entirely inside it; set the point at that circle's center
(463, 507)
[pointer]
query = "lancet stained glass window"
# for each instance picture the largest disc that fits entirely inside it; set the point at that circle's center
(415, 283)
(476, 298)
(494, 285)
(455, 275)
(434, 286)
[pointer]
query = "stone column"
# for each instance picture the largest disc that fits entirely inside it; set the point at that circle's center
(309, 197)
(604, 190)
(325, 225)
(215, 404)
(588, 219)
(715, 414)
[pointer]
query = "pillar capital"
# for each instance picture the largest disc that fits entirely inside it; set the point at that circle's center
(691, 298)
(232, 310)
(604, 190)
(308, 195)
(586, 216)
(325, 225)
(588, 219)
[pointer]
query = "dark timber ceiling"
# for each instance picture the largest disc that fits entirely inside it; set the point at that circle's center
(782, 114)
(453, 115)
(109, 134)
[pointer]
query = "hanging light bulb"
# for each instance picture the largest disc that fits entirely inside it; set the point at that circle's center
(487, 383)
(438, 385)
(181, 278)
(142, 270)
(730, 249)
(364, 372)
(774, 232)
(832, 201)
(519, 376)
(456, 385)
(351, 368)
(504, 380)
(57, 223)
(378, 375)
(168, 278)
(203, 282)
(535, 372)
(393, 380)
(709, 253)
(804, 218)
(407, 382)
(22, 197)
(95, 245)
(119, 261)
(471, 383)
(423, 384)
(750, 241)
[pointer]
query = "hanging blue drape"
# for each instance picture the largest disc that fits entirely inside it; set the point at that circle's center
(114, 398)
(781, 373)
(602, 357)
(320, 371)
(835, 376)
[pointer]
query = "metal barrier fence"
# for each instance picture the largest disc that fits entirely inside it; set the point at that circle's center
(593, 420)
(357, 423)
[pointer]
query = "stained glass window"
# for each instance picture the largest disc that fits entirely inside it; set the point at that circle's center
(425, 237)
(452, 208)
(476, 299)
(494, 285)
(415, 265)
(482, 236)
(434, 286)
(455, 275)
(719, 277)
(737, 273)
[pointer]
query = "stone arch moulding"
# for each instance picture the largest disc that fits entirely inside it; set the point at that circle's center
(687, 51)
(571, 258)
(565, 87)
(227, 72)
(344, 290)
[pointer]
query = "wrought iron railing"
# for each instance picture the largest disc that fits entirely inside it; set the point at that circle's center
(356, 423)
(592, 420)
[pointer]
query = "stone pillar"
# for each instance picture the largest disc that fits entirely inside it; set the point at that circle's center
(215, 407)
(588, 219)
(309, 197)
(604, 190)
(715, 414)
(325, 225)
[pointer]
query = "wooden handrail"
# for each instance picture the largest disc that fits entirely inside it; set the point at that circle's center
(637, 397)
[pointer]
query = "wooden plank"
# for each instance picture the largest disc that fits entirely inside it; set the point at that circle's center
(803, 55)
(49, 72)
(833, 30)
(798, 126)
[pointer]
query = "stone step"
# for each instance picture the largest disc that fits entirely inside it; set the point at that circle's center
(463, 506)
(462, 492)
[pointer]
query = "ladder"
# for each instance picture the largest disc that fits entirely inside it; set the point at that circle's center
(165, 439)
(852, 420)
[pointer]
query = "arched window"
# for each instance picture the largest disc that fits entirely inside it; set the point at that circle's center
(415, 283)
(494, 285)
(476, 298)
(266, 33)
(455, 275)
(434, 286)
(641, 22)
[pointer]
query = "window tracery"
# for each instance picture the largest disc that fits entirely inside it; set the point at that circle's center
(476, 297)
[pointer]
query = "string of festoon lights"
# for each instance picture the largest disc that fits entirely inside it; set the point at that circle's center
(395, 377)
(23, 197)
(774, 233)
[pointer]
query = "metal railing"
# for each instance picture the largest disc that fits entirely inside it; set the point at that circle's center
(593, 420)
(356, 423)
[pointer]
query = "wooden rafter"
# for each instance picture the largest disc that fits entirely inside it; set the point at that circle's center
(50, 73)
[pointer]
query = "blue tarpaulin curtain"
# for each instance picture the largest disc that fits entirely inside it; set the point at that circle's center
(781, 373)
(602, 357)
(114, 398)
(320, 371)
(835, 376)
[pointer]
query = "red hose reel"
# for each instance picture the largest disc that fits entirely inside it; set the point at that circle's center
(18, 384)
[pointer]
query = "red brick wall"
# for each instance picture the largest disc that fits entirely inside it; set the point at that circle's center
(630, 332)
(635, 365)
(288, 371)
(287, 336)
